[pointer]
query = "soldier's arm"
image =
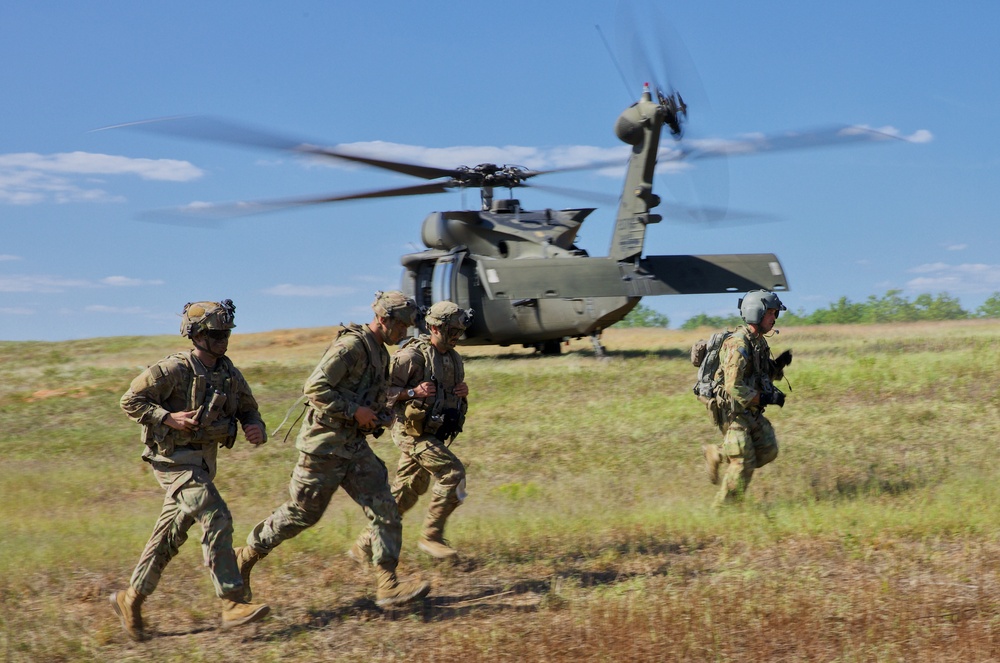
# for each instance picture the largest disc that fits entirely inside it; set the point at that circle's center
(149, 391)
(247, 410)
(335, 366)
(405, 371)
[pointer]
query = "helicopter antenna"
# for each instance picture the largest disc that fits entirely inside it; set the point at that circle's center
(614, 60)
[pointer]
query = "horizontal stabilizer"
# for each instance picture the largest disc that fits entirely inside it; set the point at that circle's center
(580, 278)
(696, 275)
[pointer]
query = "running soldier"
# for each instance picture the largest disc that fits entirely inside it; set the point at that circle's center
(188, 405)
(346, 395)
(428, 391)
(747, 373)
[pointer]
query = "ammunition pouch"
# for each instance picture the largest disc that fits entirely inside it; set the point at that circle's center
(415, 418)
(157, 437)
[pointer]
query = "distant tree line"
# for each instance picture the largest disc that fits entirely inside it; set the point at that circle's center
(892, 307)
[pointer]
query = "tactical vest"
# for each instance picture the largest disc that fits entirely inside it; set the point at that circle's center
(220, 426)
(756, 354)
(432, 415)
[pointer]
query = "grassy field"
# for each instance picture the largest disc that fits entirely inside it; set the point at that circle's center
(588, 532)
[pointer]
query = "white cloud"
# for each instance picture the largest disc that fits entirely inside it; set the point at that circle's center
(955, 279)
(5, 257)
(40, 284)
(291, 290)
(126, 310)
(46, 283)
(127, 281)
(956, 247)
(16, 310)
(28, 178)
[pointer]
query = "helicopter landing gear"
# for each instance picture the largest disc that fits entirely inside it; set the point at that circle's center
(595, 339)
(550, 348)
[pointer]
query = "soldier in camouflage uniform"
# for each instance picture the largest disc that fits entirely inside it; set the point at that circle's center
(428, 392)
(188, 405)
(346, 395)
(748, 374)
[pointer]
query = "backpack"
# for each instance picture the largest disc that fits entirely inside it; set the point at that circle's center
(708, 387)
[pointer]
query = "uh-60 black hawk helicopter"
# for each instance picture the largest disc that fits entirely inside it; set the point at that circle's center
(521, 271)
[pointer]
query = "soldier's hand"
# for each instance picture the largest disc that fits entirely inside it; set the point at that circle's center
(461, 390)
(254, 434)
(424, 389)
(366, 417)
(784, 359)
(182, 420)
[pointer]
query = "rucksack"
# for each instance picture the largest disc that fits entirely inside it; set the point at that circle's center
(705, 355)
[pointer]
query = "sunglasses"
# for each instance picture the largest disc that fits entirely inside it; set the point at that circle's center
(218, 334)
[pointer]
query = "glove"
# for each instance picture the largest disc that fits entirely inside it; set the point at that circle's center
(784, 359)
(773, 398)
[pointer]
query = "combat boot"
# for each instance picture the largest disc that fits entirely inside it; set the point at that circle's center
(238, 613)
(246, 557)
(393, 592)
(436, 547)
(128, 606)
(432, 539)
(713, 459)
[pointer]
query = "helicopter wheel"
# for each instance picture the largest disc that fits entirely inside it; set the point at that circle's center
(550, 348)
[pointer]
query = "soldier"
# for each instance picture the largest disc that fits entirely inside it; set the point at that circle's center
(188, 405)
(346, 394)
(747, 373)
(428, 391)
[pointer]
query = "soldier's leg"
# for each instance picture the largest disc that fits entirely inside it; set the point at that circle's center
(411, 482)
(447, 495)
(314, 481)
(200, 499)
(169, 533)
(765, 443)
(739, 450)
(367, 482)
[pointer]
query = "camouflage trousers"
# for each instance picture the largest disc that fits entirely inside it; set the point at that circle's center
(421, 459)
(191, 496)
(314, 481)
(749, 443)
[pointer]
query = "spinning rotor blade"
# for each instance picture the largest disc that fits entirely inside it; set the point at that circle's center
(199, 127)
(791, 140)
(215, 211)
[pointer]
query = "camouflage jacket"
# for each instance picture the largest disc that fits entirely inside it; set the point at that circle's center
(180, 383)
(353, 373)
(747, 369)
(419, 361)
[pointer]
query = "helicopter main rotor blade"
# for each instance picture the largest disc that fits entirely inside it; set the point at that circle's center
(201, 127)
(216, 211)
(792, 140)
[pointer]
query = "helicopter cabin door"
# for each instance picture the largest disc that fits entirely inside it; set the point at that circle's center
(445, 280)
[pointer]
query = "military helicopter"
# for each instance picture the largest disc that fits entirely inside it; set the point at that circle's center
(521, 271)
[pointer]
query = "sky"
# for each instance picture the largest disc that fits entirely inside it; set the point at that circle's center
(450, 84)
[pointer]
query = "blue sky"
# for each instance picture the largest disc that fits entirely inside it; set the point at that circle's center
(459, 83)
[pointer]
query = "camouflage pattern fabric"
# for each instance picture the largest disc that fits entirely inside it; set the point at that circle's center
(179, 383)
(749, 442)
(425, 456)
(185, 463)
(334, 451)
(314, 481)
(190, 496)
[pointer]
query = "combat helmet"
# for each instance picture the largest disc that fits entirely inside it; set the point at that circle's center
(448, 316)
(755, 304)
(395, 306)
(203, 316)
